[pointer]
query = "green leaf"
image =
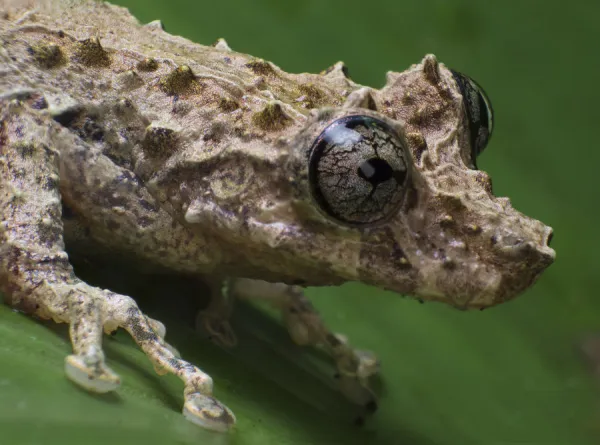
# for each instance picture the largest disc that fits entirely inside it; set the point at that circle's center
(449, 377)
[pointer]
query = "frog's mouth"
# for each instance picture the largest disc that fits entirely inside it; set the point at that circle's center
(485, 270)
(525, 263)
(485, 285)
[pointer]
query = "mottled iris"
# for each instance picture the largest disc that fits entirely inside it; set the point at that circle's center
(480, 114)
(358, 170)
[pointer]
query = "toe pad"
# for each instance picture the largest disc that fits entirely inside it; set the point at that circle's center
(208, 412)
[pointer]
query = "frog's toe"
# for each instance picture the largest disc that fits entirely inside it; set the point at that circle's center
(160, 369)
(158, 327)
(161, 331)
(368, 364)
(355, 390)
(208, 412)
(94, 376)
(218, 329)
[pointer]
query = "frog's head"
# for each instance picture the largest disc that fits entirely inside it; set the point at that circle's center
(381, 189)
(389, 182)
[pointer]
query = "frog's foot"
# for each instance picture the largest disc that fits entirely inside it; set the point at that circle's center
(354, 369)
(199, 405)
(91, 373)
(214, 320)
(305, 326)
(218, 329)
(91, 309)
(86, 367)
(360, 364)
(208, 412)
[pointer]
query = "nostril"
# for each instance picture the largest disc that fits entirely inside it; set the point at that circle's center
(550, 236)
(510, 240)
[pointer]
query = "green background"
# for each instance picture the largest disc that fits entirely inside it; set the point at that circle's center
(511, 375)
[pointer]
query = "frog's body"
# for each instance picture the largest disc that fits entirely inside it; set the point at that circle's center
(202, 160)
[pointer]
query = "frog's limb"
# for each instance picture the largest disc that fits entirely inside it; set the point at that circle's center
(86, 366)
(354, 367)
(214, 319)
(36, 276)
(199, 407)
(35, 272)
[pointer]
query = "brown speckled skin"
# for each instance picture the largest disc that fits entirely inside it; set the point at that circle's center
(194, 159)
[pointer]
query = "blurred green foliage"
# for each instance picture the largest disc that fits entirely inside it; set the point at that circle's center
(511, 375)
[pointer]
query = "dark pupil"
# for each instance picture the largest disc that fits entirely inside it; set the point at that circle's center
(375, 171)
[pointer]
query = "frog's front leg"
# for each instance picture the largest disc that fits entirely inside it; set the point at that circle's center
(354, 367)
(36, 276)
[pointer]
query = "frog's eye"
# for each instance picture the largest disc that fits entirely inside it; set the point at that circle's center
(480, 114)
(358, 170)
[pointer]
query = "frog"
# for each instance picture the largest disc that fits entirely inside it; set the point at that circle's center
(119, 137)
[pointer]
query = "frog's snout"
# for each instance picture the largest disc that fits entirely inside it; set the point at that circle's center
(549, 236)
(525, 255)
(531, 251)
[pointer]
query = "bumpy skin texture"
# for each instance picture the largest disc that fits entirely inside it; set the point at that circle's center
(195, 159)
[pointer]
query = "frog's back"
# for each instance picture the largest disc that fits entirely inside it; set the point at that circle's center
(149, 99)
(167, 76)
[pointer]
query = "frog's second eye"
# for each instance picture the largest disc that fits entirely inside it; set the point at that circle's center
(358, 170)
(479, 113)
